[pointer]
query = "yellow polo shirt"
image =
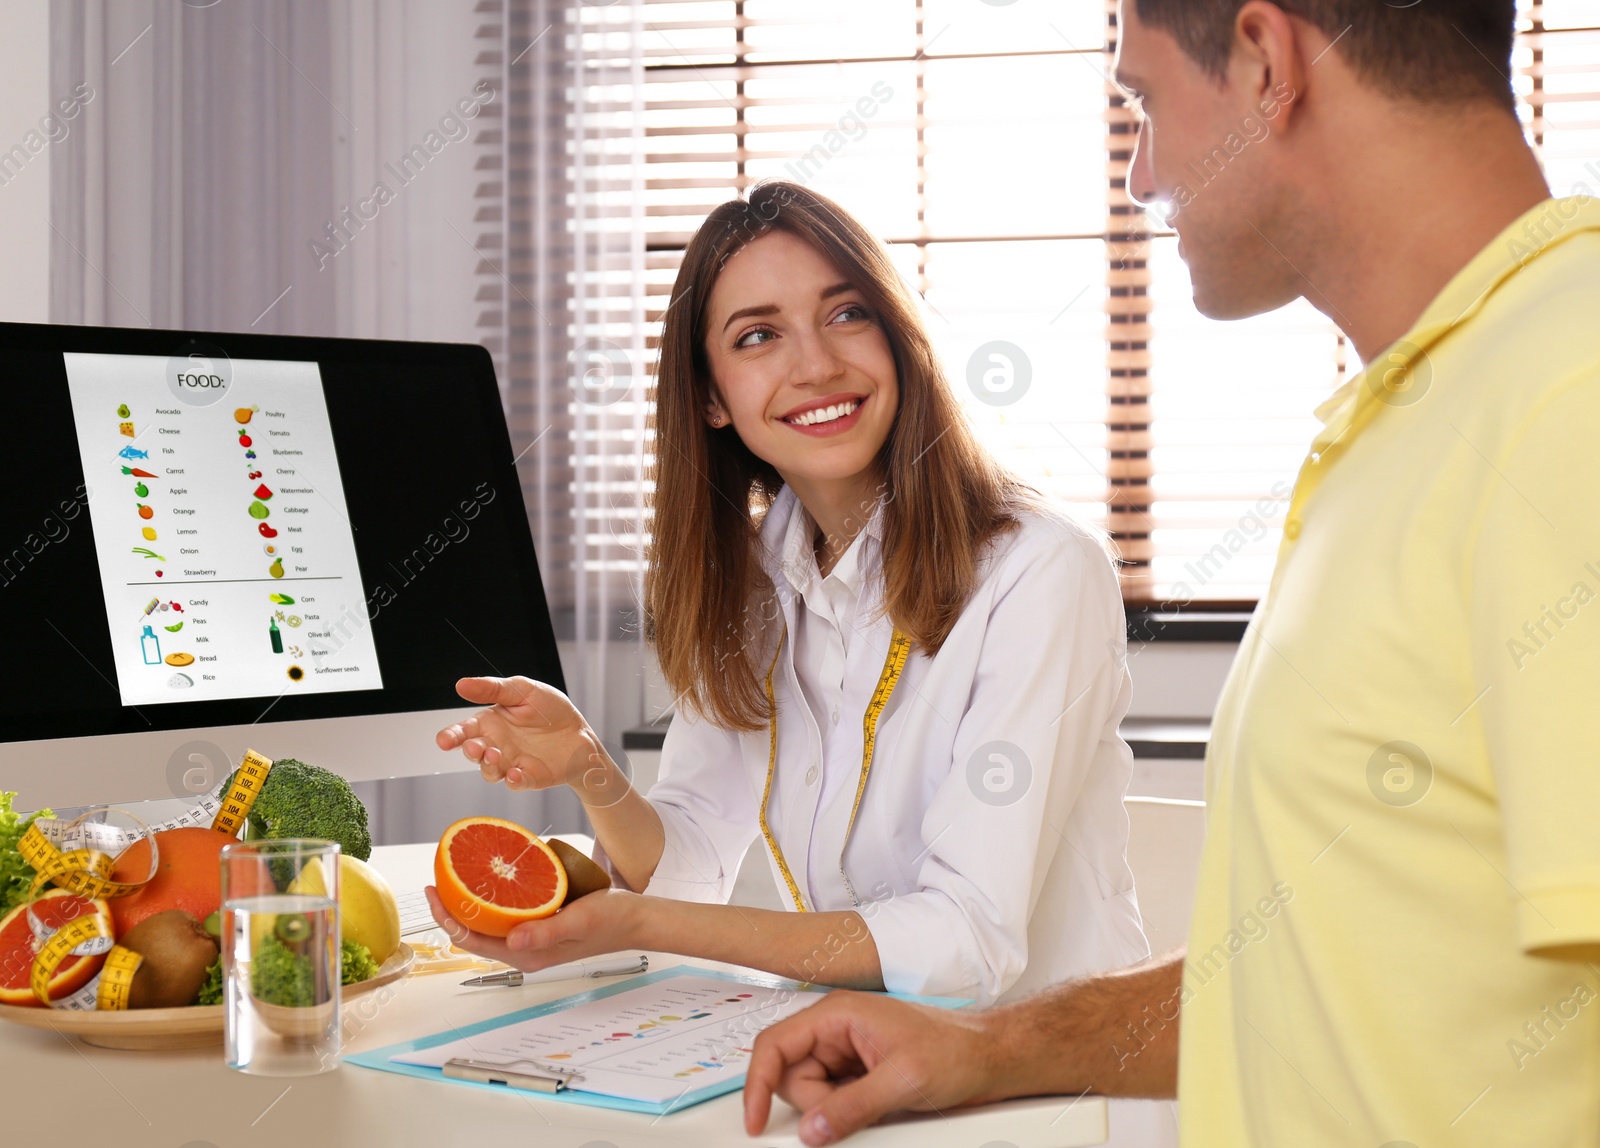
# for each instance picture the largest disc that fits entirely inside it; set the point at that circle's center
(1404, 772)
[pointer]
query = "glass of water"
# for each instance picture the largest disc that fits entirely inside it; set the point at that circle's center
(280, 956)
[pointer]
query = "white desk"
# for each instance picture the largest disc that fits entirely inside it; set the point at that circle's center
(189, 1099)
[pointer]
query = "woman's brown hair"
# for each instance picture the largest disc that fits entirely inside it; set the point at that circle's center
(943, 496)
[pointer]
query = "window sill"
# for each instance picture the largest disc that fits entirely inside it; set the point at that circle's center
(1152, 624)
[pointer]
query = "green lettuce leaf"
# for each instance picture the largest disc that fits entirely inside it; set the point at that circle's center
(15, 873)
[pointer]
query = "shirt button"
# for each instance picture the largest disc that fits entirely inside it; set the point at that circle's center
(1291, 529)
(811, 776)
(833, 715)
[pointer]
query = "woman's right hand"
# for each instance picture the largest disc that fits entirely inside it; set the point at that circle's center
(530, 737)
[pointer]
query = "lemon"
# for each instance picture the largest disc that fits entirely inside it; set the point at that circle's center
(368, 914)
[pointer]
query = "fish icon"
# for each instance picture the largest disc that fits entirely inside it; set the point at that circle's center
(132, 452)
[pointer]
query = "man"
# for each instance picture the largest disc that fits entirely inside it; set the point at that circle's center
(1399, 899)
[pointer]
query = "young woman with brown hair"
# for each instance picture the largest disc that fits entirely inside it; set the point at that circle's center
(895, 667)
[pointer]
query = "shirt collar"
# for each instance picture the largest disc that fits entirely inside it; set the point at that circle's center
(1543, 227)
(791, 552)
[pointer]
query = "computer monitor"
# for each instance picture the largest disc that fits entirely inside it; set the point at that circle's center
(229, 541)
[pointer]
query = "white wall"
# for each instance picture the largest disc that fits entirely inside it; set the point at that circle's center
(1178, 679)
(25, 192)
(401, 67)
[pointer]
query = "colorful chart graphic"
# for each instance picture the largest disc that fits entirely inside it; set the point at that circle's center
(194, 530)
(656, 1042)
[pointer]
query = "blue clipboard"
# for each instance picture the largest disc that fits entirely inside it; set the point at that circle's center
(382, 1058)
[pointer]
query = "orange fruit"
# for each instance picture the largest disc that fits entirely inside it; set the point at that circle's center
(492, 875)
(189, 876)
(55, 907)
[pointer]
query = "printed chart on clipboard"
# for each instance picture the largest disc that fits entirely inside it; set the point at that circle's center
(655, 1043)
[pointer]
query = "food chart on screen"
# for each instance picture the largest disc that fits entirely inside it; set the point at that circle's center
(226, 556)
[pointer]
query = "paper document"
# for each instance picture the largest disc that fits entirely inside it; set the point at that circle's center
(653, 1043)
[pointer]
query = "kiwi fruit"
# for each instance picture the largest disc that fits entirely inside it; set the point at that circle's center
(177, 952)
(583, 875)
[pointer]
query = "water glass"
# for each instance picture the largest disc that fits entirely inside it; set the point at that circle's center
(280, 956)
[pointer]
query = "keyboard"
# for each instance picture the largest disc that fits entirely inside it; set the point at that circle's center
(415, 916)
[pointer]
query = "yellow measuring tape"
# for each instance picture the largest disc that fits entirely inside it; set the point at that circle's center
(86, 872)
(247, 782)
(86, 936)
(888, 678)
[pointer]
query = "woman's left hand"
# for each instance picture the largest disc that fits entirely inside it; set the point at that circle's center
(602, 922)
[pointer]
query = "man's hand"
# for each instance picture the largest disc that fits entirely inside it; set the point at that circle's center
(602, 922)
(853, 1058)
(531, 737)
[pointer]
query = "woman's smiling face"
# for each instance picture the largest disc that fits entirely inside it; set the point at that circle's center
(801, 368)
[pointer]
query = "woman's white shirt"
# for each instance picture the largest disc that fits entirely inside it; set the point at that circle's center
(988, 856)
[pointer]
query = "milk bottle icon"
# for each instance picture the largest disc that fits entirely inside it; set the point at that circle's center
(150, 647)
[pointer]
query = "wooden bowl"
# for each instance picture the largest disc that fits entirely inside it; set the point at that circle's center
(198, 1026)
(299, 1025)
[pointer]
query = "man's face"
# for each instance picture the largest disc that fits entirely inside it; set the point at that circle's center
(1205, 150)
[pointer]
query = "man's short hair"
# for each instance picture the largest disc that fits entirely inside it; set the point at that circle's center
(1432, 51)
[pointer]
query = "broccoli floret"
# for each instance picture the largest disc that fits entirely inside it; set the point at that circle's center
(355, 963)
(285, 975)
(281, 976)
(300, 800)
(211, 991)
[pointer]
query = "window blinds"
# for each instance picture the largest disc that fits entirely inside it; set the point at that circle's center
(988, 147)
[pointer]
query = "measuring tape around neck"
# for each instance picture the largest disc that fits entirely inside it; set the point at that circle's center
(888, 678)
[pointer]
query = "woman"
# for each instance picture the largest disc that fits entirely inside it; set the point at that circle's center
(894, 667)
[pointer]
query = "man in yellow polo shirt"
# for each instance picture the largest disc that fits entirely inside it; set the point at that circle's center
(1396, 940)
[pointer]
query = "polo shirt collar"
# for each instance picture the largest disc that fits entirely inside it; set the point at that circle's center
(1546, 225)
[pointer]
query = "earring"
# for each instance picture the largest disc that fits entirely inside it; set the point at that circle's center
(716, 420)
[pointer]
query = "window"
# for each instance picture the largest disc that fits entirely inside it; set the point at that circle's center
(985, 144)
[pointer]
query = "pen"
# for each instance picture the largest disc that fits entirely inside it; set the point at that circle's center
(618, 967)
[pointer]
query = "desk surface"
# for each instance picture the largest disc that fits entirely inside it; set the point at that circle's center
(190, 1099)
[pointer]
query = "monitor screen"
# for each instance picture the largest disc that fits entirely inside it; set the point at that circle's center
(215, 531)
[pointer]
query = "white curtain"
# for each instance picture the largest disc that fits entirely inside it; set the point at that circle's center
(226, 143)
(563, 287)
(226, 176)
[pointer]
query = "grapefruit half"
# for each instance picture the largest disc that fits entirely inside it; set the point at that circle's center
(55, 907)
(492, 875)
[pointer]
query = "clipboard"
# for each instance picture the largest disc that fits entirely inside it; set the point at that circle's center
(554, 1081)
(535, 1077)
